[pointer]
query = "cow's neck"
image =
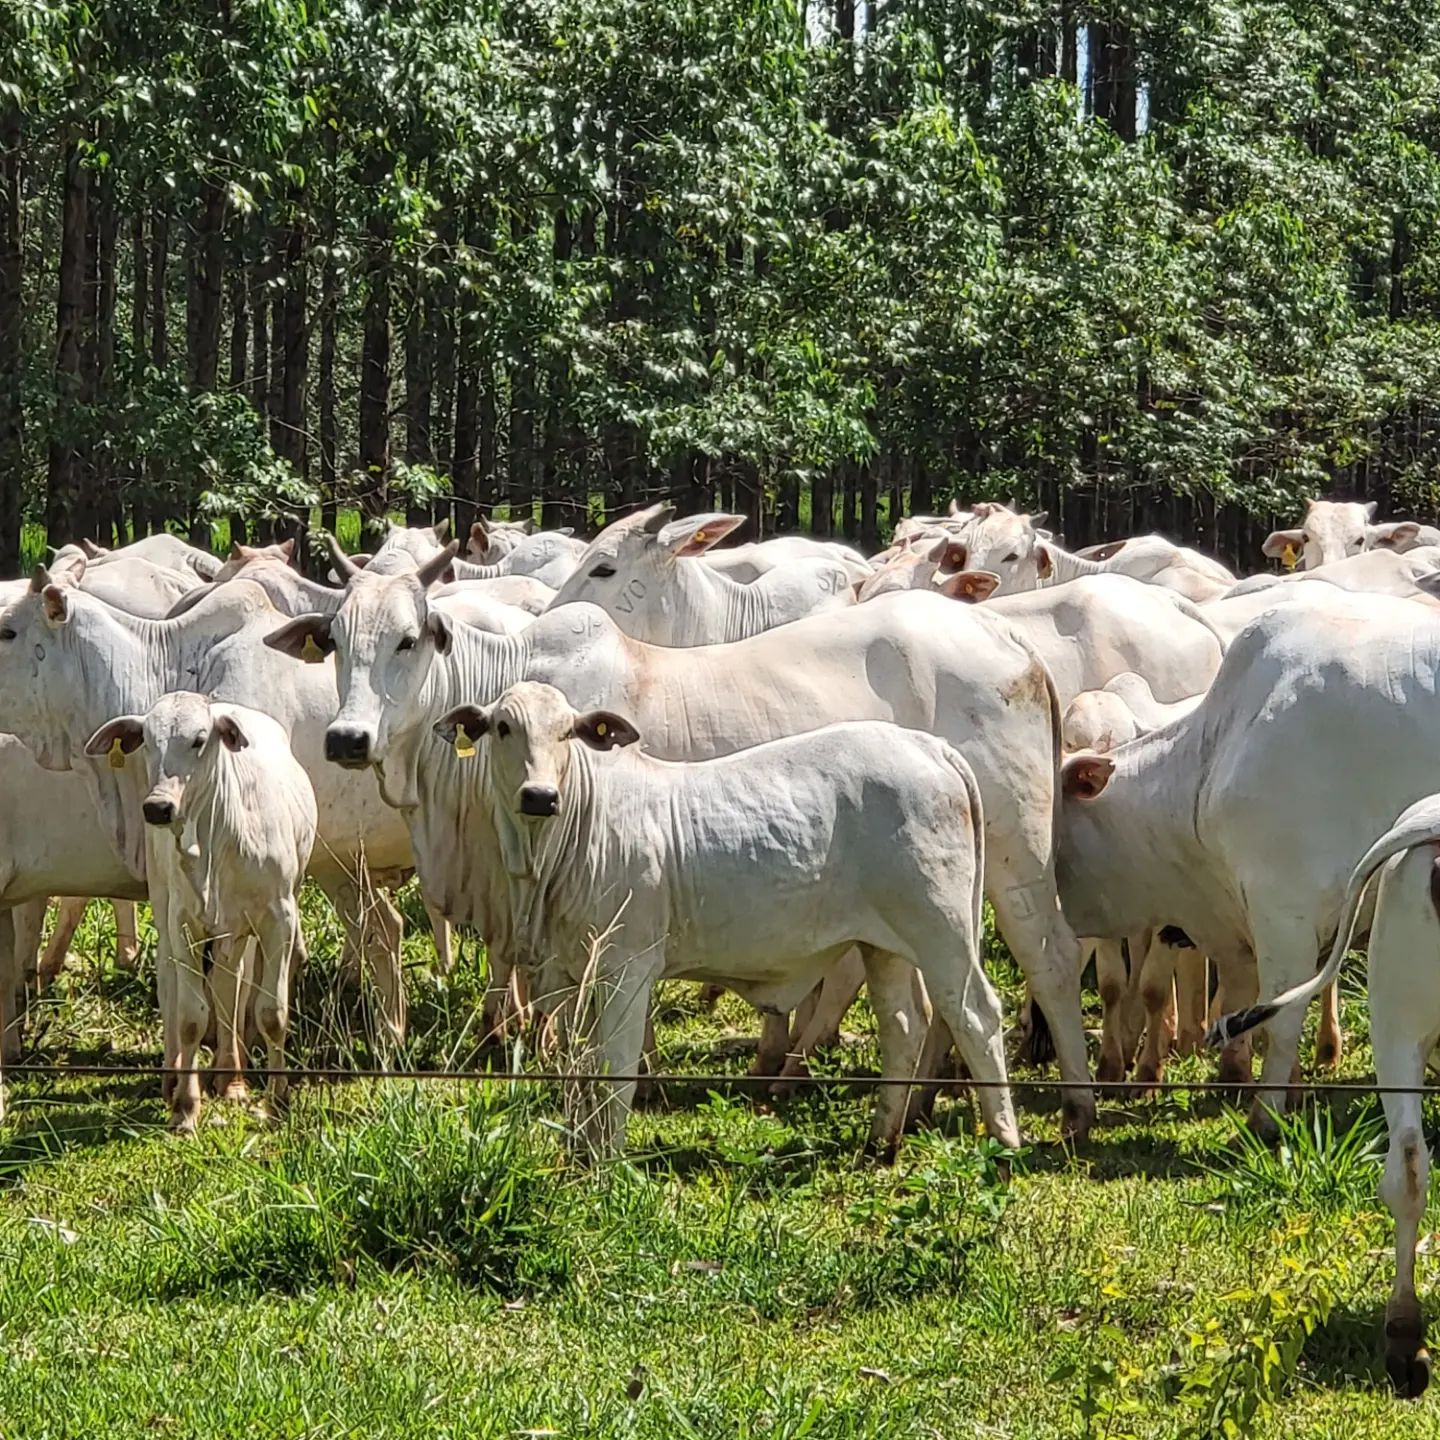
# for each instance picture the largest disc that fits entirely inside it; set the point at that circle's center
(1065, 566)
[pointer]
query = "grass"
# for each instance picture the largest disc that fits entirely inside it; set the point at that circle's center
(400, 1260)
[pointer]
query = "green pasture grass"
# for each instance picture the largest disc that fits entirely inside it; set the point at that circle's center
(407, 1260)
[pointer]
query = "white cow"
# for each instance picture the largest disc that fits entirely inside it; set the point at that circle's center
(758, 869)
(163, 549)
(69, 662)
(1122, 709)
(1158, 561)
(916, 659)
(1100, 626)
(490, 541)
(1404, 1000)
(750, 561)
(1241, 822)
(230, 823)
(639, 571)
(1335, 529)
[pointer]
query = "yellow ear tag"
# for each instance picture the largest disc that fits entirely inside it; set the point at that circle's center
(310, 652)
(1288, 557)
(464, 745)
(699, 536)
(117, 754)
(600, 729)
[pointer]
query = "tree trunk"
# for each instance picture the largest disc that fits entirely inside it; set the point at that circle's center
(848, 518)
(260, 328)
(239, 356)
(62, 500)
(1112, 78)
(204, 301)
(822, 503)
(419, 385)
(920, 497)
(295, 348)
(12, 257)
(787, 507)
(375, 370)
(105, 503)
(329, 304)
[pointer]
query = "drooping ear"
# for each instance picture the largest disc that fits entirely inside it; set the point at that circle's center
(438, 567)
(1278, 541)
(438, 623)
(464, 722)
(287, 549)
(128, 730)
(440, 529)
(92, 550)
(1394, 535)
(1083, 777)
(1370, 509)
(1429, 584)
(695, 534)
(604, 730)
(239, 551)
(57, 607)
(227, 727)
(953, 555)
(971, 586)
(1044, 562)
(306, 637)
(479, 535)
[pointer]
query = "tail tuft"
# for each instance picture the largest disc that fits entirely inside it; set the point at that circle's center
(1231, 1027)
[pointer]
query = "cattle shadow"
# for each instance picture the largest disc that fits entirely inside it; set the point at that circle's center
(41, 1131)
(1347, 1351)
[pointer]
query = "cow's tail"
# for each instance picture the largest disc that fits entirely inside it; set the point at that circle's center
(1399, 838)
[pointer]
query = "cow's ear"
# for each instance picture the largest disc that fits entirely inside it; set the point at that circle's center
(1044, 562)
(1370, 509)
(69, 571)
(953, 555)
(92, 550)
(441, 528)
(442, 632)
(604, 730)
(970, 586)
(306, 637)
(57, 607)
(1394, 535)
(462, 727)
(126, 731)
(479, 535)
(1279, 541)
(232, 734)
(287, 549)
(695, 534)
(1037, 519)
(1083, 777)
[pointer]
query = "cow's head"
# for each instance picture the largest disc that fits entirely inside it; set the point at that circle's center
(1332, 530)
(1006, 544)
(529, 733)
(627, 569)
(241, 556)
(1097, 720)
(178, 736)
(384, 637)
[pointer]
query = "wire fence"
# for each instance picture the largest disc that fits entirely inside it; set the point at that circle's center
(1124, 1088)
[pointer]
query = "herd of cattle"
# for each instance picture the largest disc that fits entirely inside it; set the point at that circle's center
(778, 767)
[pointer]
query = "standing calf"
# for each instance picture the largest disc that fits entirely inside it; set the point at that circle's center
(230, 821)
(759, 869)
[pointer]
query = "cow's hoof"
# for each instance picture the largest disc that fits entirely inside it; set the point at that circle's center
(1077, 1116)
(1409, 1374)
(1234, 1071)
(1327, 1055)
(1110, 1068)
(1147, 1078)
(1262, 1122)
(184, 1122)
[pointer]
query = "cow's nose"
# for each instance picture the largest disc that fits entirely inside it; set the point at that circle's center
(347, 745)
(158, 812)
(539, 800)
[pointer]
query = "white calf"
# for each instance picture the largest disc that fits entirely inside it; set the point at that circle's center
(230, 823)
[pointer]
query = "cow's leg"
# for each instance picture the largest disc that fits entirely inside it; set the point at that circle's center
(1235, 968)
(232, 958)
(1191, 997)
(440, 930)
(1285, 952)
(901, 1031)
(1113, 982)
(277, 934)
(963, 998)
(1329, 1042)
(804, 1013)
(774, 1042)
(9, 991)
(372, 929)
(127, 934)
(838, 992)
(623, 1004)
(1157, 992)
(29, 920)
(1404, 994)
(1029, 918)
(191, 1016)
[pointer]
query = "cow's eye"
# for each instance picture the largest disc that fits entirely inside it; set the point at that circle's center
(602, 572)
(6, 633)
(503, 730)
(407, 643)
(198, 743)
(1011, 558)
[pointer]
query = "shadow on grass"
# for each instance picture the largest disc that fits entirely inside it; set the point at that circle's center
(43, 1130)
(1347, 1352)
